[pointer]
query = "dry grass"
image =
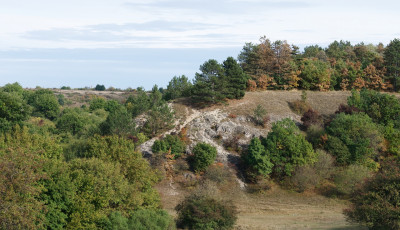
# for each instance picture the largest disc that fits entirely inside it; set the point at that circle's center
(276, 102)
(82, 97)
(274, 209)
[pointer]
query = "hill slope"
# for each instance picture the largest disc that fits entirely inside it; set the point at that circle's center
(275, 208)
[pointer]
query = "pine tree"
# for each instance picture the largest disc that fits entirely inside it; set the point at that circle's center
(236, 79)
(209, 84)
(392, 62)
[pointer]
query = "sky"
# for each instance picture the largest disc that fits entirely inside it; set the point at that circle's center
(132, 43)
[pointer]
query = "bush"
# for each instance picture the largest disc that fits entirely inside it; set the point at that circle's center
(203, 156)
(347, 109)
(351, 178)
(307, 177)
(97, 103)
(100, 87)
(377, 203)
(13, 108)
(144, 219)
(311, 117)
(118, 122)
(299, 106)
(256, 159)
(304, 177)
(70, 121)
(45, 104)
(315, 134)
(354, 139)
(382, 108)
(260, 115)
(218, 173)
(392, 139)
(159, 146)
(325, 165)
(287, 148)
(201, 212)
(170, 144)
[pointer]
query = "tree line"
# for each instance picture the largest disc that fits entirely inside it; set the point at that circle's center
(280, 66)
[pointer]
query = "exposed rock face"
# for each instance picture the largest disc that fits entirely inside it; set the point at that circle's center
(216, 127)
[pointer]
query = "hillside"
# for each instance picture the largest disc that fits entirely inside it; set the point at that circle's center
(275, 208)
(229, 127)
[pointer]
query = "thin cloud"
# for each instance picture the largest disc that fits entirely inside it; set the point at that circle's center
(157, 25)
(298, 31)
(223, 6)
(117, 32)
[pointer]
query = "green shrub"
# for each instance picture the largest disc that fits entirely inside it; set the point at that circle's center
(169, 144)
(13, 108)
(159, 146)
(381, 107)
(70, 121)
(203, 156)
(45, 103)
(100, 87)
(118, 122)
(314, 135)
(175, 144)
(112, 106)
(287, 148)
(392, 139)
(144, 219)
(354, 139)
(256, 159)
(377, 203)
(97, 103)
(201, 212)
(260, 115)
(351, 178)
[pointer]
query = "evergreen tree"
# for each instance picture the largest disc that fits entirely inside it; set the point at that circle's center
(209, 84)
(139, 103)
(392, 61)
(178, 87)
(236, 79)
(257, 159)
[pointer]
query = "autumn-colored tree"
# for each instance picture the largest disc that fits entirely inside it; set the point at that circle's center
(359, 84)
(374, 78)
(264, 81)
(251, 85)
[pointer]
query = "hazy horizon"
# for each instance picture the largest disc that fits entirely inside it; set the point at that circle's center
(132, 43)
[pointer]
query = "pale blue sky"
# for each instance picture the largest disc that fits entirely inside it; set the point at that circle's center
(131, 43)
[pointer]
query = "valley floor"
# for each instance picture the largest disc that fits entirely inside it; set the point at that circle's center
(276, 209)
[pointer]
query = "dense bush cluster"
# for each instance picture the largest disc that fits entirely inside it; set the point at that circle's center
(77, 168)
